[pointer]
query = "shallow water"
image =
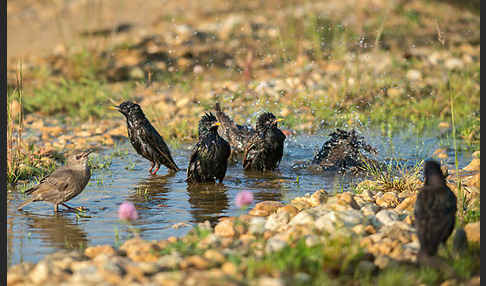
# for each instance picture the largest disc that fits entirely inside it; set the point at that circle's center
(163, 201)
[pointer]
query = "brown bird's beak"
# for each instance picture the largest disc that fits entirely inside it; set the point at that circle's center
(85, 154)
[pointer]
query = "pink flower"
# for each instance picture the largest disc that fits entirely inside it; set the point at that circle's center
(243, 199)
(127, 211)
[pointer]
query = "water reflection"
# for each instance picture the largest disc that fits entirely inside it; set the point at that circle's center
(153, 189)
(208, 202)
(58, 230)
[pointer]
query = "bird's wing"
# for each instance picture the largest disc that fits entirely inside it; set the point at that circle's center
(150, 135)
(193, 161)
(250, 147)
(54, 185)
(230, 131)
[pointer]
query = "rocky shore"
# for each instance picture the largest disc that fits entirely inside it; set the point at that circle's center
(363, 232)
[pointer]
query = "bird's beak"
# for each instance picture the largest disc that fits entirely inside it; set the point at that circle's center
(278, 120)
(216, 124)
(85, 154)
(114, 107)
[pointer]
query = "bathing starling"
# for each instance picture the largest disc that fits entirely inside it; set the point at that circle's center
(209, 158)
(145, 139)
(63, 184)
(435, 210)
(264, 150)
(343, 151)
(236, 135)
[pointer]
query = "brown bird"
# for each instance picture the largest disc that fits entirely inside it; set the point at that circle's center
(435, 210)
(63, 184)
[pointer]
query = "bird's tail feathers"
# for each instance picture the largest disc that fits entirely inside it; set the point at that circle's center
(22, 205)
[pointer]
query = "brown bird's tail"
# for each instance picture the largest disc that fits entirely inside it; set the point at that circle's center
(25, 203)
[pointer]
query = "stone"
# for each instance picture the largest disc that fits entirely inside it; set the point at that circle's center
(277, 220)
(473, 231)
(194, 261)
(225, 229)
(229, 268)
(274, 244)
(268, 281)
(414, 75)
(41, 272)
(312, 240)
(214, 256)
(407, 204)
(303, 217)
(454, 63)
(388, 200)
(170, 261)
(387, 216)
(94, 251)
(265, 208)
(370, 209)
(370, 229)
(257, 225)
(140, 250)
(291, 210)
(318, 197)
(474, 165)
(172, 278)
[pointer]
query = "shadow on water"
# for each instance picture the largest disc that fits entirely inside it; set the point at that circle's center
(167, 206)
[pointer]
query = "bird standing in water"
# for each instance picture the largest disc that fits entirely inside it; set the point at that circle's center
(236, 135)
(209, 158)
(145, 138)
(435, 210)
(63, 184)
(264, 150)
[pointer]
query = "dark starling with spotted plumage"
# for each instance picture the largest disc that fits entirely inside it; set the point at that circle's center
(145, 138)
(264, 149)
(237, 135)
(435, 210)
(343, 152)
(209, 158)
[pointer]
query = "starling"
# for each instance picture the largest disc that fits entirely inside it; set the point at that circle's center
(236, 135)
(343, 151)
(264, 150)
(63, 184)
(209, 158)
(435, 210)
(145, 139)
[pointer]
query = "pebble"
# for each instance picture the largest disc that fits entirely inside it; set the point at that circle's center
(274, 244)
(258, 225)
(225, 228)
(473, 231)
(387, 216)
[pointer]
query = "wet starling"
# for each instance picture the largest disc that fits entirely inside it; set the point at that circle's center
(343, 151)
(63, 184)
(435, 210)
(209, 158)
(264, 150)
(145, 139)
(236, 135)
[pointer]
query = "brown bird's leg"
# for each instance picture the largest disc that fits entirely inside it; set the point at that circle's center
(55, 208)
(156, 169)
(74, 209)
(150, 170)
